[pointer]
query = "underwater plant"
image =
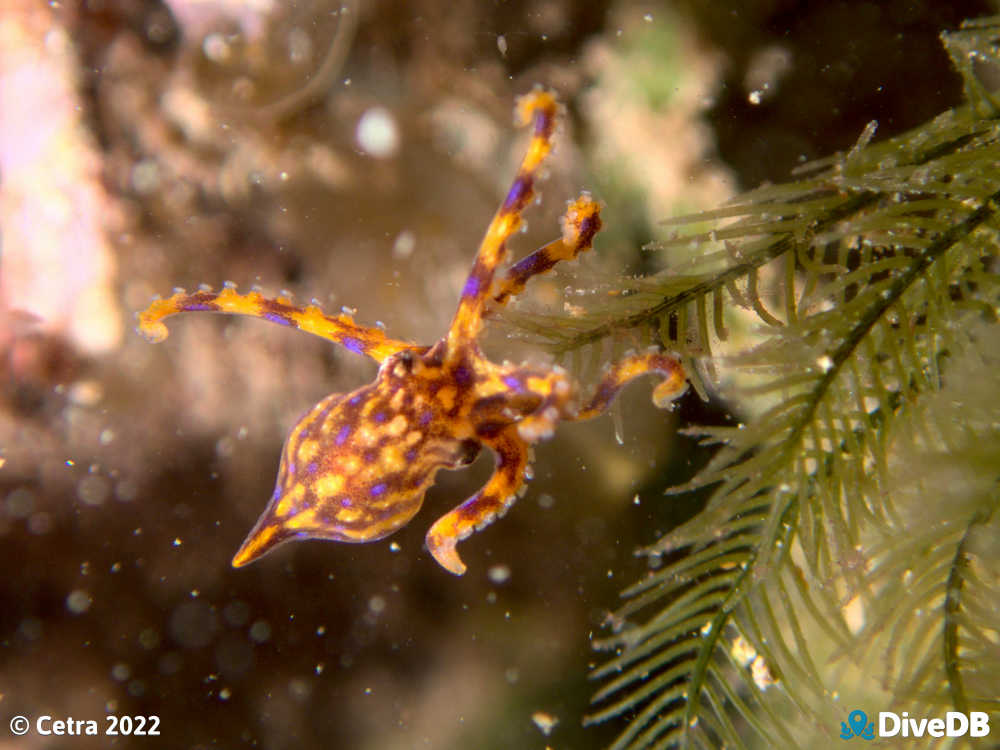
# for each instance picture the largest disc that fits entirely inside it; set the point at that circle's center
(848, 553)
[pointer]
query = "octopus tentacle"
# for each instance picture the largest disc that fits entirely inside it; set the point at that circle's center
(541, 108)
(491, 502)
(580, 223)
(340, 329)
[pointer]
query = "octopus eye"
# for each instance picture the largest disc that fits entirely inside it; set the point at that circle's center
(403, 364)
(467, 452)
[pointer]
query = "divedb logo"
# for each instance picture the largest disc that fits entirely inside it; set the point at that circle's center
(890, 724)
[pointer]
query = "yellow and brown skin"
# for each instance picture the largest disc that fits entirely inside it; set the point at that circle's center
(356, 466)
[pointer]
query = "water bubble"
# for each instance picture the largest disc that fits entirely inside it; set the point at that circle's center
(260, 632)
(126, 491)
(20, 503)
(377, 133)
(193, 624)
(30, 628)
(78, 601)
(93, 489)
(499, 574)
(236, 613)
(216, 48)
(149, 639)
(404, 244)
